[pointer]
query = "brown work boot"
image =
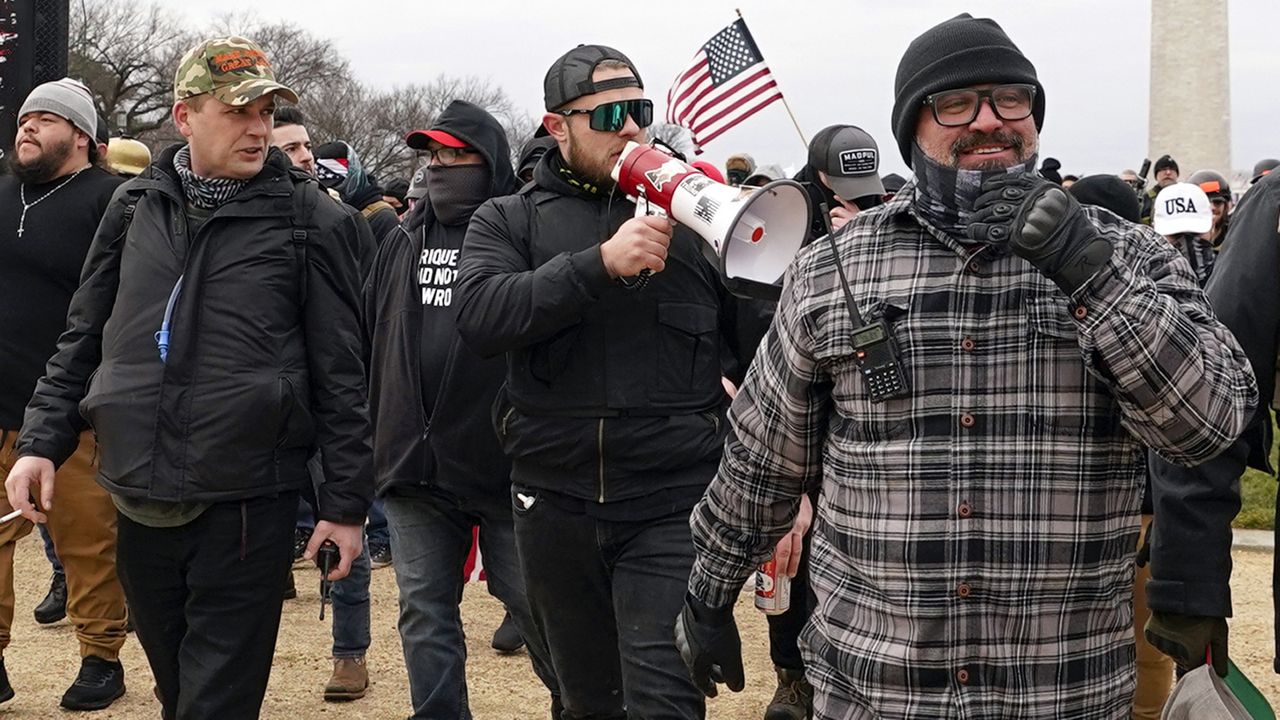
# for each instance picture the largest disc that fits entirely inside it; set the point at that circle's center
(793, 700)
(349, 681)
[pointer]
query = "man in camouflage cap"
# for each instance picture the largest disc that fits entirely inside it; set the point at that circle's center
(204, 429)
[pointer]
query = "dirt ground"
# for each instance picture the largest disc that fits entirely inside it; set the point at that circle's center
(42, 660)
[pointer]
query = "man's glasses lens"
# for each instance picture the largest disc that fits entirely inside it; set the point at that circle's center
(960, 107)
(612, 117)
(448, 155)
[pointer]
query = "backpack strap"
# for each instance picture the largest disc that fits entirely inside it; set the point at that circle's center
(304, 203)
(374, 207)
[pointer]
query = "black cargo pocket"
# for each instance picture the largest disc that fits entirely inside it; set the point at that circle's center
(524, 500)
(688, 355)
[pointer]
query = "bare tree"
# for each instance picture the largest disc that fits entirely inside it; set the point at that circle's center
(127, 53)
(299, 59)
(677, 137)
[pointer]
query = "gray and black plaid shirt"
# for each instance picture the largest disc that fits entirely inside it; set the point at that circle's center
(973, 542)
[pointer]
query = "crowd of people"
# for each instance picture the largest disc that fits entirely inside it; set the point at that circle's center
(247, 352)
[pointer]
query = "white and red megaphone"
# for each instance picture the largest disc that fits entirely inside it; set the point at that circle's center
(752, 233)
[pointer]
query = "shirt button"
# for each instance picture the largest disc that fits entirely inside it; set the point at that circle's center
(967, 420)
(964, 510)
(1081, 312)
(963, 590)
(962, 676)
(973, 266)
(968, 344)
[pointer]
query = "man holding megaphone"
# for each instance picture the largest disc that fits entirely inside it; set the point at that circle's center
(613, 411)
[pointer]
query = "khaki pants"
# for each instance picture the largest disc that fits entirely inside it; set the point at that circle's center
(1155, 669)
(82, 524)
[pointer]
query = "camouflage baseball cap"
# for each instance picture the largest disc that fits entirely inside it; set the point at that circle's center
(232, 69)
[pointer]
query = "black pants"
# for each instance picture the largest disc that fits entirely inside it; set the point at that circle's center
(605, 595)
(784, 629)
(205, 599)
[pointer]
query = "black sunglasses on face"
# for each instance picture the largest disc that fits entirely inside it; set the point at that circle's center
(953, 108)
(612, 117)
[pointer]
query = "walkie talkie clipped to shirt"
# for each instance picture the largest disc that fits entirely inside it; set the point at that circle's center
(877, 357)
(874, 349)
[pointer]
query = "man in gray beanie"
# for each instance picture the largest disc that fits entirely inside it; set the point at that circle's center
(50, 207)
(970, 374)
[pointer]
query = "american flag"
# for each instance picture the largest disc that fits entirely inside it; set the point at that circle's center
(727, 82)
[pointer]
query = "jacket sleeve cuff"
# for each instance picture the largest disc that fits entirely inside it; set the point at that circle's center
(1209, 599)
(1106, 289)
(588, 265)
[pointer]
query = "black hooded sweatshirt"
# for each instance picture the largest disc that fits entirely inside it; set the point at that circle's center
(429, 394)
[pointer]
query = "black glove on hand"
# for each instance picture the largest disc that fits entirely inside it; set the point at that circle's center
(1185, 638)
(1042, 223)
(709, 643)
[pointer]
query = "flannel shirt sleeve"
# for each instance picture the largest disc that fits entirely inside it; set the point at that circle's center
(772, 455)
(1183, 384)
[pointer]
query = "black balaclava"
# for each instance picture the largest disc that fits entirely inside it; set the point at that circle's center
(457, 191)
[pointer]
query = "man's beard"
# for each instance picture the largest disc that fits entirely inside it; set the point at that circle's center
(46, 165)
(999, 137)
(590, 169)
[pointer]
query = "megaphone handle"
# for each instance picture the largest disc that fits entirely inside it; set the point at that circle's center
(642, 210)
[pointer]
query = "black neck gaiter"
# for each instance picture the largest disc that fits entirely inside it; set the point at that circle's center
(457, 191)
(945, 196)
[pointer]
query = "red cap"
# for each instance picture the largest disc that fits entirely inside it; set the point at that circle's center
(418, 139)
(708, 169)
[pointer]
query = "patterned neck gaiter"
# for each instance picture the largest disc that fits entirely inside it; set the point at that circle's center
(204, 193)
(945, 196)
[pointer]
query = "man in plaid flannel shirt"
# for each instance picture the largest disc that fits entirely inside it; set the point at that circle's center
(974, 537)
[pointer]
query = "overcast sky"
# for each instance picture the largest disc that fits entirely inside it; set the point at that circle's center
(834, 60)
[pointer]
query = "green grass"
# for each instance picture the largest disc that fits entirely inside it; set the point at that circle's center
(1258, 497)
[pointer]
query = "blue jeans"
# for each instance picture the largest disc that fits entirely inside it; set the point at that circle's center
(49, 552)
(431, 536)
(376, 530)
(350, 597)
(606, 593)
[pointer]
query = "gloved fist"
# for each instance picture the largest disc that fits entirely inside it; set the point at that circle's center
(1041, 223)
(709, 643)
(1185, 638)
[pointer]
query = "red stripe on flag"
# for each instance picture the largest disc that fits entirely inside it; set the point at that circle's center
(703, 125)
(773, 98)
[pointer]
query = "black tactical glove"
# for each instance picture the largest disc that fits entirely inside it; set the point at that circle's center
(1186, 637)
(709, 643)
(1042, 223)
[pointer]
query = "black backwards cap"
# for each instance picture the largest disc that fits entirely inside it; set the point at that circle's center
(570, 76)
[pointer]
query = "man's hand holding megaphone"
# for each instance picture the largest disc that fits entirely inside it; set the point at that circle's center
(641, 243)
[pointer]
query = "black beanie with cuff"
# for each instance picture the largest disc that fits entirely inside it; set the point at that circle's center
(961, 52)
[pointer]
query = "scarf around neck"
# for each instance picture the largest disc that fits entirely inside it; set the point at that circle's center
(202, 192)
(945, 196)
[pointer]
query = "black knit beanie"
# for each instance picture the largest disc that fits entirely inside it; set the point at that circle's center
(960, 52)
(1107, 191)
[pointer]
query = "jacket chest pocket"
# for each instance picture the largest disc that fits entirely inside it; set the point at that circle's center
(860, 418)
(688, 350)
(1062, 395)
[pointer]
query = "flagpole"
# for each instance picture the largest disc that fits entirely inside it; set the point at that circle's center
(782, 97)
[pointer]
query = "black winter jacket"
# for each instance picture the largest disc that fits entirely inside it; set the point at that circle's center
(255, 378)
(611, 393)
(1194, 507)
(454, 449)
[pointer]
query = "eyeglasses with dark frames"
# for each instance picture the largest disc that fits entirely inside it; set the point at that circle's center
(448, 155)
(612, 117)
(953, 108)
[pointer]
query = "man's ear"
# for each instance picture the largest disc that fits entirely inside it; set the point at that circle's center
(555, 125)
(182, 118)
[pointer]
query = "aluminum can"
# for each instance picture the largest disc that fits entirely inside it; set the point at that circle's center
(773, 589)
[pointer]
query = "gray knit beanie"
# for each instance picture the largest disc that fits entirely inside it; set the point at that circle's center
(66, 98)
(960, 52)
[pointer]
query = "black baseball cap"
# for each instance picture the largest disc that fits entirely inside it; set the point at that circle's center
(570, 76)
(849, 158)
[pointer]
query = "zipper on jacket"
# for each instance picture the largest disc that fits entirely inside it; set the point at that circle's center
(600, 448)
(505, 418)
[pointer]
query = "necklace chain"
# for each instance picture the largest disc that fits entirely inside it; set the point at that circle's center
(22, 195)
